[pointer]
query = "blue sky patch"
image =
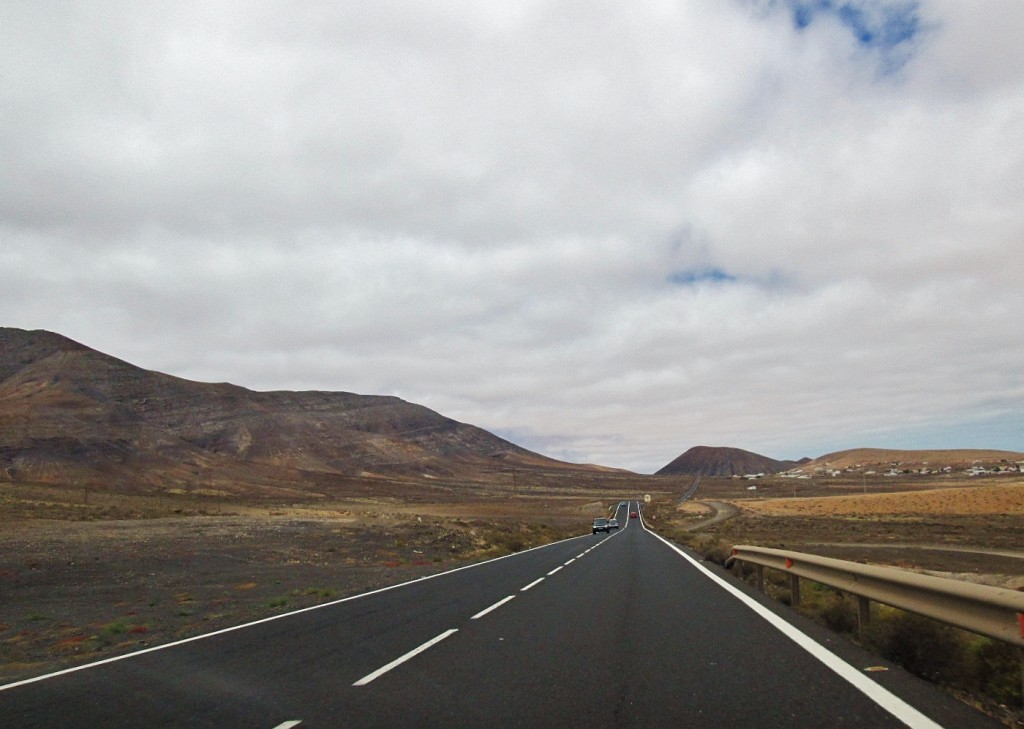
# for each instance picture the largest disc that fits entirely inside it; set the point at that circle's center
(701, 275)
(885, 27)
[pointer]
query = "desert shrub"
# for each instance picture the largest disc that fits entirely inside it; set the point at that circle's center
(316, 592)
(829, 606)
(995, 670)
(840, 614)
(709, 547)
(955, 658)
(925, 647)
(117, 627)
(496, 539)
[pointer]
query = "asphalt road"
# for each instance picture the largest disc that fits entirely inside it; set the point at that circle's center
(618, 630)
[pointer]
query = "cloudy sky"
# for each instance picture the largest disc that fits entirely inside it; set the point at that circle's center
(607, 231)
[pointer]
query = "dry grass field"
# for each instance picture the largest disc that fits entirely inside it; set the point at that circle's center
(1001, 499)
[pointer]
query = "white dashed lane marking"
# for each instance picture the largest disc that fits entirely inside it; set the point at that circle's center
(411, 654)
(402, 659)
(495, 606)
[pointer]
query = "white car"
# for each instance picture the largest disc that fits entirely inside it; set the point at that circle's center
(613, 523)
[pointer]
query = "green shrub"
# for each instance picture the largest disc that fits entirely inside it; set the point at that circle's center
(318, 592)
(925, 647)
(116, 627)
(709, 547)
(829, 606)
(840, 614)
(995, 667)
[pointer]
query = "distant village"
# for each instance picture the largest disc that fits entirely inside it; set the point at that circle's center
(895, 469)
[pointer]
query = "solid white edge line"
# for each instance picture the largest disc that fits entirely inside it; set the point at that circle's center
(114, 659)
(288, 724)
(402, 659)
(535, 582)
(559, 567)
(876, 692)
(495, 606)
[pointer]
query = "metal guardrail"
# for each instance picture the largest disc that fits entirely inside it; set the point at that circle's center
(992, 611)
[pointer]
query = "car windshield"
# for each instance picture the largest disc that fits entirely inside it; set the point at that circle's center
(600, 521)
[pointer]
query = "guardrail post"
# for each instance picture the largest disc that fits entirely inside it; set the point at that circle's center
(794, 590)
(759, 571)
(863, 615)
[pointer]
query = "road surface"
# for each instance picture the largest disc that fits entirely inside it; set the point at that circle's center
(619, 630)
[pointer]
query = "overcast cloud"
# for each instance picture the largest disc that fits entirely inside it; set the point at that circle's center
(607, 231)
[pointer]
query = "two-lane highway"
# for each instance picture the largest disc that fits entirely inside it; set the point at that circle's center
(600, 630)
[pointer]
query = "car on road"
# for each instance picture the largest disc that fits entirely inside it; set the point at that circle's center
(622, 503)
(633, 515)
(601, 525)
(613, 524)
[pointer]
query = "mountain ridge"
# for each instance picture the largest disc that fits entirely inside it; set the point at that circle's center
(71, 413)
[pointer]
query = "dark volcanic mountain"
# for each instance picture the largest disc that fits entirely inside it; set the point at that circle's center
(72, 415)
(709, 461)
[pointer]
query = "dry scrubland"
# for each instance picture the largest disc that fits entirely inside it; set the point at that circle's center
(1002, 499)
